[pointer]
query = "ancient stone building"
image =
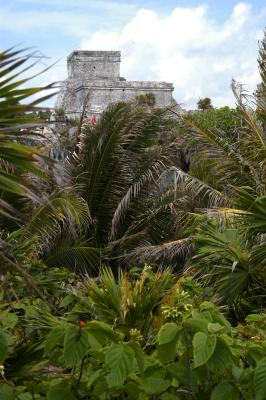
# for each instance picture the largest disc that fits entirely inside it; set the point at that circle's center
(97, 74)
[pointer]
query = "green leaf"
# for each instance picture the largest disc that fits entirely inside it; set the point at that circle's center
(225, 391)
(260, 380)
(54, 338)
(6, 392)
(8, 319)
(97, 354)
(178, 370)
(214, 328)
(167, 352)
(93, 377)
(220, 318)
(94, 341)
(75, 345)
(100, 389)
(256, 351)
(167, 333)
(133, 391)
(221, 358)
(68, 299)
(203, 348)
(153, 385)
(60, 393)
(120, 360)
(139, 354)
(3, 346)
(26, 396)
(197, 324)
(255, 317)
(101, 327)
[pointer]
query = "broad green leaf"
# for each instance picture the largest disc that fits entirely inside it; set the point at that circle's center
(26, 396)
(167, 333)
(260, 380)
(154, 385)
(97, 354)
(197, 324)
(120, 360)
(207, 305)
(220, 318)
(256, 351)
(6, 392)
(215, 327)
(100, 389)
(3, 346)
(94, 341)
(255, 317)
(203, 348)
(75, 345)
(221, 358)
(133, 391)
(101, 327)
(225, 391)
(8, 319)
(178, 370)
(60, 393)
(167, 352)
(66, 301)
(54, 338)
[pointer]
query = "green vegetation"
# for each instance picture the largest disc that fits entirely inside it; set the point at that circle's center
(137, 336)
(147, 99)
(225, 119)
(141, 274)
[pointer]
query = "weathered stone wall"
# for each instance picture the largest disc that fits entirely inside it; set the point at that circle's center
(97, 73)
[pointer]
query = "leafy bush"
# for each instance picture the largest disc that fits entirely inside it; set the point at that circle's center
(190, 352)
(224, 119)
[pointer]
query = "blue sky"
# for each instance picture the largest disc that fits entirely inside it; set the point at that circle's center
(199, 46)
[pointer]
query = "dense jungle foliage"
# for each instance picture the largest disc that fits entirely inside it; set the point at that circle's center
(135, 267)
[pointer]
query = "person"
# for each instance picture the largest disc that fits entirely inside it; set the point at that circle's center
(93, 120)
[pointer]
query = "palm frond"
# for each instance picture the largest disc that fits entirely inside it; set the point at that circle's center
(199, 189)
(164, 254)
(150, 175)
(77, 256)
(61, 210)
(253, 209)
(17, 159)
(230, 162)
(223, 262)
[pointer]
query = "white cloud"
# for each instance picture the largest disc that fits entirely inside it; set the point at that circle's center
(186, 47)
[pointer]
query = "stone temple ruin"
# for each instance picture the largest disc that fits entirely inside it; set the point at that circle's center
(96, 74)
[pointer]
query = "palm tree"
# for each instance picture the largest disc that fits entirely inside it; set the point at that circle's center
(230, 247)
(204, 104)
(122, 200)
